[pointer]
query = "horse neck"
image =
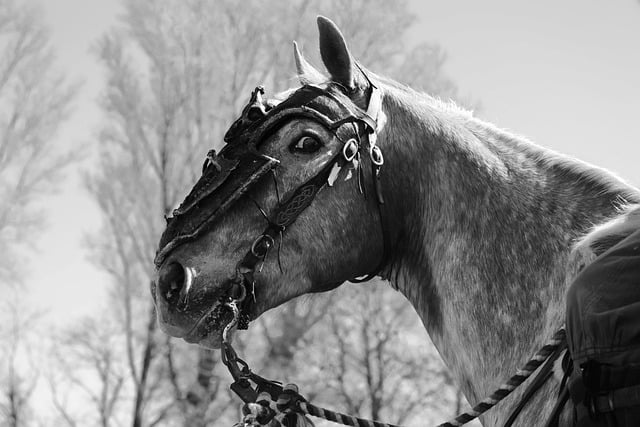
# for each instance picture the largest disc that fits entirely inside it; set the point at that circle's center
(482, 225)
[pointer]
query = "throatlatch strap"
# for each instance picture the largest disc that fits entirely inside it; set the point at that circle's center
(386, 238)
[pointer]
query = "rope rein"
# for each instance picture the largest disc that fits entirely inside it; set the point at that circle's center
(269, 401)
(512, 383)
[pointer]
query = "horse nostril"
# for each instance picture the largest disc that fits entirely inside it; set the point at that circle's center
(171, 280)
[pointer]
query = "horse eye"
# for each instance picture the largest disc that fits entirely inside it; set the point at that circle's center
(307, 144)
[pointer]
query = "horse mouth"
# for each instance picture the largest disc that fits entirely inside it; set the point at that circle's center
(208, 330)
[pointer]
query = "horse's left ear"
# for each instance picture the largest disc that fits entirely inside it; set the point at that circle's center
(337, 58)
(307, 74)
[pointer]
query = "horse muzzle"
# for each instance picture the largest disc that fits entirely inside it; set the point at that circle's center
(191, 307)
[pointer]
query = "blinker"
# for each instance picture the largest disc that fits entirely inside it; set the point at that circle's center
(214, 193)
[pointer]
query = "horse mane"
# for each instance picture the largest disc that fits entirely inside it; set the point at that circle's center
(604, 236)
(583, 171)
(447, 118)
(608, 181)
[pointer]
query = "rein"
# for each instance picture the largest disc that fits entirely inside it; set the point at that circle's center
(266, 400)
(238, 168)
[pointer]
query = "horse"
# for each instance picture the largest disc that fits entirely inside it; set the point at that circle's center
(357, 175)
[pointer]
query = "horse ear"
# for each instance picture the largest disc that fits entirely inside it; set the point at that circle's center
(336, 56)
(307, 74)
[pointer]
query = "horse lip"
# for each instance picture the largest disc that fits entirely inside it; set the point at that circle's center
(184, 322)
(194, 335)
(175, 329)
(190, 336)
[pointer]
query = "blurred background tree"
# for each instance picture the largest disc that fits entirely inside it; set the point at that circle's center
(178, 73)
(35, 100)
(369, 356)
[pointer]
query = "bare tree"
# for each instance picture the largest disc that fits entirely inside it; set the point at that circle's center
(19, 373)
(86, 361)
(34, 100)
(373, 359)
(178, 73)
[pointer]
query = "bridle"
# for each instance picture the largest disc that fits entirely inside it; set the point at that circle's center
(240, 166)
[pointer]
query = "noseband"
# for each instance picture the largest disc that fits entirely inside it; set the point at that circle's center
(240, 166)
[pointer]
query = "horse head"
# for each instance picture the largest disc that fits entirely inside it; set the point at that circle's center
(300, 200)
(288, 207)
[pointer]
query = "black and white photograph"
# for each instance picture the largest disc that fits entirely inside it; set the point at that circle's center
(313, 213)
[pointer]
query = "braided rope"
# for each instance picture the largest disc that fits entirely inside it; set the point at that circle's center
(503, 391)
(337, 417)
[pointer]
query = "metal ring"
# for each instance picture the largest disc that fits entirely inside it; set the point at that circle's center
(243, 291)
(236, 314)
(375, 153)
(350, 150)
(269, 242)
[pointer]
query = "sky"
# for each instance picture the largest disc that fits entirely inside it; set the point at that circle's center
(65, 284)
(563, 73)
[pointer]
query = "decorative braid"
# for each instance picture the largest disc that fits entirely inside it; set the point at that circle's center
(291, 402)
(505, 389)
(339, 418)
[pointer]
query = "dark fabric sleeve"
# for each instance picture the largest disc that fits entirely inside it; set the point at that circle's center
(603, 307)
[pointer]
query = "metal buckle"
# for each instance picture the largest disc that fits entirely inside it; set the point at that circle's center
(261, 252)
(376, 155)
(350, 150)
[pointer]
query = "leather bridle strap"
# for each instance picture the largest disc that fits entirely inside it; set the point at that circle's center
(386, 238)
(374, 111)
(286, 213)
(366, 124)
